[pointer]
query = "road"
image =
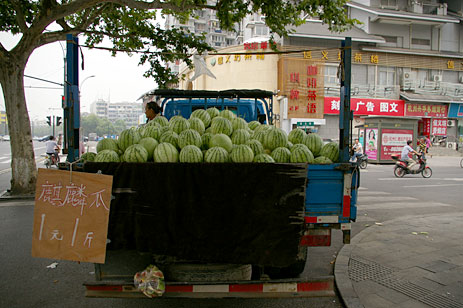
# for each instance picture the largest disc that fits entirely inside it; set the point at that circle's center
(27, 282)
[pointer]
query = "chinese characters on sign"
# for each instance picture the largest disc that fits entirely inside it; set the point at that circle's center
(367, 106)
(426, 110)
(71, 215)
(393, 141)
(439, 127)
(256, 45)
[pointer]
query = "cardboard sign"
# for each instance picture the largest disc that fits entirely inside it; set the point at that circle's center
(71, 215)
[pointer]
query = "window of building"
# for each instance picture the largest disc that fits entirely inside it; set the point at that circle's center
(422, 42)
(390, 39)
(388, 3)
(386, 76)
(331, 74)
(261, 30)
(200, 27)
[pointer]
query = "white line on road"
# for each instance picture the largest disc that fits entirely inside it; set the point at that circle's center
(433, 185)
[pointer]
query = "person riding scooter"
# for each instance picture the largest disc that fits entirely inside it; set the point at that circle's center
(358, 150)
(405, 154)
(52, 149)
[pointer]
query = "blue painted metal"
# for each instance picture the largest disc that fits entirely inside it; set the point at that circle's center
(71, 100)
(345, 114)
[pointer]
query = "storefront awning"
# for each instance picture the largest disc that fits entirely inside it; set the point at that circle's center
(425, 98)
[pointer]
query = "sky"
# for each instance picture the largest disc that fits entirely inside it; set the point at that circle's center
(117, 79)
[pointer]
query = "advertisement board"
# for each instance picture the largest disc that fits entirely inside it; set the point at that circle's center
(367, 106)
(371, 143)
(393, 140)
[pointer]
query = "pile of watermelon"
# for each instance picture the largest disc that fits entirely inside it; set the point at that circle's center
(213, 136)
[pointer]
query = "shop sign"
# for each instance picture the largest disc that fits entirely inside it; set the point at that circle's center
(425, 110)
(424, 126)
(455, 110)
(367, 106)
(439, 127)
(393, 141)
(256, 45)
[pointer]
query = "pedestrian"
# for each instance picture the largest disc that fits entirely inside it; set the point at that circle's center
(422, 148)
(152, 110)
(428, 145)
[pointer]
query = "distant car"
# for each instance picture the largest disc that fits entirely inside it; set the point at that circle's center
(35, 138)
(6, 138)
(44, 138)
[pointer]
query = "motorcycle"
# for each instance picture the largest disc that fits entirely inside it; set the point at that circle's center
(401, 167)
(362, 161)
(50, 161)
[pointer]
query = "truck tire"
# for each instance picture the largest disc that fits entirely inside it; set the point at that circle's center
(291, 271)
(189, 272)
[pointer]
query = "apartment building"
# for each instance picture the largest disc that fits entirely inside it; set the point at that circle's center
(125, 111)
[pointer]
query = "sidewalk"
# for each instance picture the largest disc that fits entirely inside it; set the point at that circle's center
(404, 263)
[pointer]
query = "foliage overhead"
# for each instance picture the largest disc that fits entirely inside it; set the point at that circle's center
(130, 24)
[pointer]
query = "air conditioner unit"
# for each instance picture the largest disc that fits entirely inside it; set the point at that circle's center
(407, 78)
(452, 145)
(437, 78)
(450, 123)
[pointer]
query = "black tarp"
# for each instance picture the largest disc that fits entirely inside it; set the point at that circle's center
(222, 213)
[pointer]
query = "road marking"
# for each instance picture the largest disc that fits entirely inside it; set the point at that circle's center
(419, 178)
(433, 185)
(383, 198)
(37, 160)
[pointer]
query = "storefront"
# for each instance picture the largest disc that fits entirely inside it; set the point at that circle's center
(455, 124)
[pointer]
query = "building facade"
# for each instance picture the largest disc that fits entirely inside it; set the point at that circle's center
(125, 111)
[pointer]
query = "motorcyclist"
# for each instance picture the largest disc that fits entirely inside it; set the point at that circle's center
(52, 149)
(405, 154)
(358, 150)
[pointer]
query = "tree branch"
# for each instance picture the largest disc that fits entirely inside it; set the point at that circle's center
(20, 16)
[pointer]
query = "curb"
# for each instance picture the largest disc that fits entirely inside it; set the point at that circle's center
(5, 196)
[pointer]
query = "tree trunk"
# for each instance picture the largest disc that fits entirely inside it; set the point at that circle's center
(23, 167)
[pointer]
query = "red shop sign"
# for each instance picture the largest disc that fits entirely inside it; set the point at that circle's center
(426, 110)
(367, 106)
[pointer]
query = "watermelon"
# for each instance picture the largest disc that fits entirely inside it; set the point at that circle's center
(281, 155)
(259, 136)
(322, 160)
(227, 114)
(203, 115)
(262, 127)
(296, 136)
(239, 123)
(169, 137)
(221, 140)
(242, 153)
(301, 154)
(178, 124)
(135, 153)
(263, 158)
(88, 156)
(149, 144)
(256, 146)
(197, 124)
(330, 151)
(107, 144)
(161, 120)
(191, 154)
(164, 129)
(107, 156)
(165, 153)
(153, 131)
(213, 112)
(205, 138)
(289, 145)
(275, 138)
(127, 138)
(221, 125)
(253, 125)
(314, 143)
(216, 155)
(240, 136)
(189, 137)
(153, 123)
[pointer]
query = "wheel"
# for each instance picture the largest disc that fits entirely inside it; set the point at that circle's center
(461, 163)
(426, 173)
(363, 164)
(47, 163)
(291, 271)
(399, 172)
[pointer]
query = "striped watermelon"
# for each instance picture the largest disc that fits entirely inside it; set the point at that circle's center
(191, 154)
(281, 155)
(169, 137)
(178, 124)
(221, 125)
(189, 137)
(135, 153)
(165, 153)
(263, 158)
(216, 155)
(296, 136)
(227, 114)
(213, 112)
(240, 136)
(239, 123)
(107, 156)
(331, 151)
(197, 124)
(314, 143)
(289, 145)
(205, 138)
(253, 125)
(275, 138)
(322, 160)
(88, 156)
(127, 138)
(255, 146)
(152, 123)
(301, 154)
(161, 120)
(262, 127)
(242, 153)
(149, 144)
(221, 140)
(203, 115)
(153, 131)
(107, 144)
(259, 136)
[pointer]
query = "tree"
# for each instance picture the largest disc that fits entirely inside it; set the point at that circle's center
(129, 26)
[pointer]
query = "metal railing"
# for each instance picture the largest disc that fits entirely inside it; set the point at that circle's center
(452, 90)
(366, 90)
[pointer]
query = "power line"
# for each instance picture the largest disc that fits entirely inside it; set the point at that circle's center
(44, 80)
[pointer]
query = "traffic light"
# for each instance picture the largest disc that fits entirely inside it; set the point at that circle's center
(58, 121)
(49, 120)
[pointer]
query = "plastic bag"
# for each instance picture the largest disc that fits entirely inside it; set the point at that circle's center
(150, 281)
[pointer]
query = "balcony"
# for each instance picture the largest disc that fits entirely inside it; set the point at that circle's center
(366, 91)
(451, 91)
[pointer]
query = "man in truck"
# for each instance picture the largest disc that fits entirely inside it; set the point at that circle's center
(152, 110)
